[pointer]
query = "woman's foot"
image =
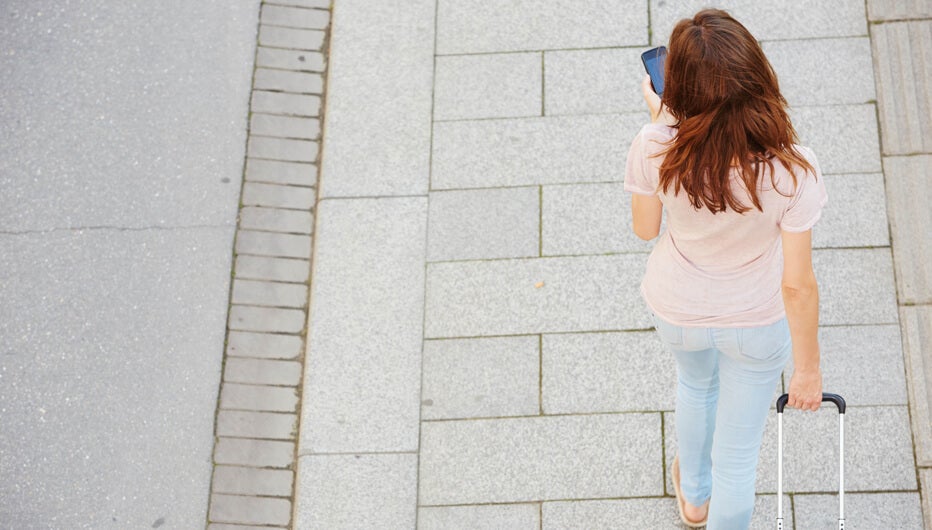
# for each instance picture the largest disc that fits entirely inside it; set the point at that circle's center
(696, 514)
(691, 515)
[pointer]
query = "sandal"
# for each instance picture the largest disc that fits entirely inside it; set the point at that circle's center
(680, 501)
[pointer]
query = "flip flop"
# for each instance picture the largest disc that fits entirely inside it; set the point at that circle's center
(680, 501)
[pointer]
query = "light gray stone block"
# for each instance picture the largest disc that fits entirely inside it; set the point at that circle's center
(323, 4)
(606, 372)
(282, 149)
(286, 127)
(389, 122)
(258, 398)
(925, 479)
(294, 17)
(547, 150)
(273, 269)
(469, 26)
(904, 85)
(498, 85)
(248, 318)
(293, 38)
(363, 369)
(537, 295)
(247, 424)
(287, 81)
(862, 510)
(275, 220)
(274, 196)
(239, 480)
(909, 183)
(844, 137)
(823, 71)
(283, 103)
(264, 345)
(293, 60)
(466, 378)
(593, 81)
(262, 371)
(220, 526)
(769, 20)
(855, 215)
(879, 10)
(273, 294)
(273, 244)
(254, 453)
(479, 517)
(357, 491)
(540, 458)
(588, 219)
(855, 286)
(916, 322)
(484, 224)
(249, 510)
(278, 172)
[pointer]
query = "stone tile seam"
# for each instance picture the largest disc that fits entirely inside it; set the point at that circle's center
(290, 48)
(898, 21)
(115, 228)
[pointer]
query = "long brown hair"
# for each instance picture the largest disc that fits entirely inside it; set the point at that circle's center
(724, 95)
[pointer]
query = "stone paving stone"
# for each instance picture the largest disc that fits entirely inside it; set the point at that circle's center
(278, 172)
(547, 150)
(588, 219)
(845, 71)
(916, 322)
(274, 294)
(904, 85)
(606, 372)
(357, 491)
(273, 269)
(214, 526)
(255, 453)
(247, 318)
(324, 4)
(844, 137)
(909, 184)
(389, 122)
(855, 215)
(469, 26)
(262, 371)
(274, 196)
(484, 224)
(293, 38)
(925, 478)
(498, 85)
(465, 378)
(273, 244)
(540, 458)
(469, 299)
(258, 398)
(282, 103)
(286, 127)
(251, 481)
(264, 345)
(855, 286)
(294, 17)
(769, 20)
(593, 81)
(862, 510)
(286, 81)
(275, 220)
(282, 149)
(295, 60)
(363, 368)
(479, 517)
(249, 510)
(878, 10)
(266, 425)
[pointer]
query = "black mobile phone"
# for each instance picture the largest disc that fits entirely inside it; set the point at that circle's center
(653, 60)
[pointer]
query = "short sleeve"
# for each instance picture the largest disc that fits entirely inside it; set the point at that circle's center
(805, 206)
(641, 170)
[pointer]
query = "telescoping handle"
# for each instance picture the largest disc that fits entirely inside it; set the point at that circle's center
(840, 403)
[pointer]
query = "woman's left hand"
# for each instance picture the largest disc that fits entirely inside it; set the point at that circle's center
(658, 112)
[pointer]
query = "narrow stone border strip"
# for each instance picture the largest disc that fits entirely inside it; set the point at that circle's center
(259, 401)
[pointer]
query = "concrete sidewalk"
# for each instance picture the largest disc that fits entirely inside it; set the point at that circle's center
(478, 355)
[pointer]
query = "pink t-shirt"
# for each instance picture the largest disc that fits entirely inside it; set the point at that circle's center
(721, 270)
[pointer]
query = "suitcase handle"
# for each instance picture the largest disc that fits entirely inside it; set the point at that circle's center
(834, 398)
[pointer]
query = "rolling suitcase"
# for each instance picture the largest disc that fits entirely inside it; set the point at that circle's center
(840, 403)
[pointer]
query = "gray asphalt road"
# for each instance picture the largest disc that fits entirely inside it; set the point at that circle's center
(122, 132)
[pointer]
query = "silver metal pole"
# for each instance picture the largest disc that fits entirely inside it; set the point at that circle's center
(780, 471)
(841, 467)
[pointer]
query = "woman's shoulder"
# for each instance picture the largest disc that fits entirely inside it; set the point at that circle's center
(655, 137)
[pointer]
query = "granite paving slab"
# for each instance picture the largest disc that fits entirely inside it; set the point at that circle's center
(862, 510)
(479, 517)
(843, 137)
(847, 78)
(878, 10)
(855, 286)
(593, 81)
(916, 322)
(855, 215)
(908, 184)
(494, 85)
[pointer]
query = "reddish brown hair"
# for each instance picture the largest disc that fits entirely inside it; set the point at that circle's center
(724, 95)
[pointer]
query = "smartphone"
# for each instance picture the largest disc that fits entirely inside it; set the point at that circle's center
(653, 60)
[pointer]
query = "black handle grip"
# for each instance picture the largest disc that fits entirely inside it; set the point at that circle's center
(834, 398)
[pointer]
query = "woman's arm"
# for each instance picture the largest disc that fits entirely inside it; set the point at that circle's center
(801, 299)
(646, 213)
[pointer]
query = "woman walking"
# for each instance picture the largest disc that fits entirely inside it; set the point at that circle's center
(730, 283)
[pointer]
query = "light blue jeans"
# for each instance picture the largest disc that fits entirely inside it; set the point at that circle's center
(726, 381)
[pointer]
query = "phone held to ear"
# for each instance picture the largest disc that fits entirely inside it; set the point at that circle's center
(653, 60)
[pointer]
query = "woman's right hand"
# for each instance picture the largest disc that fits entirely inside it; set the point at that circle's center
(658, 111)
(805, 391)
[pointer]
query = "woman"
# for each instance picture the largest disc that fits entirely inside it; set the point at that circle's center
(730, 282)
